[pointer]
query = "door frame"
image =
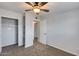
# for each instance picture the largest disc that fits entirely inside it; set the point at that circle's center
(38, 29)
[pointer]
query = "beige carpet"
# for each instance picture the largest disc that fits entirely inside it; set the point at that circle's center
(37, 49)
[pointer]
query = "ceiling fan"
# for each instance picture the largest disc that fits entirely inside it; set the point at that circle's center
(37, 6)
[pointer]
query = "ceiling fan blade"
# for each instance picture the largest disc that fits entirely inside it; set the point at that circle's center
(43, 3)
(29, 3)
(44, 10)
(28, 10)
(35, 3)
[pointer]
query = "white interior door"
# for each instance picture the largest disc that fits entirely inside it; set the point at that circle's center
(29, 29)
(8, 32)
(43, 32)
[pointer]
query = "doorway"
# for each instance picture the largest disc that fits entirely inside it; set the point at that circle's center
(39, 41)
(9, 31)
(36, 31)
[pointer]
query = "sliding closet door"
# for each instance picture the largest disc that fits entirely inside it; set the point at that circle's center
(9, 32)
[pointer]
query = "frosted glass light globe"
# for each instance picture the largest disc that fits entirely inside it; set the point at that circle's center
(36, 10)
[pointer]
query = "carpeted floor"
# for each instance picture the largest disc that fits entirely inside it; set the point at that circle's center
(37, 49)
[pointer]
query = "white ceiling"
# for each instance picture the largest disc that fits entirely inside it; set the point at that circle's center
(52, 6)
(15, 6)
(64, 6)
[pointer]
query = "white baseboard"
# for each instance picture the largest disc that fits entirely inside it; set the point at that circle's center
(42, 42)
(63, 50)
(9, 44)
(28, 45)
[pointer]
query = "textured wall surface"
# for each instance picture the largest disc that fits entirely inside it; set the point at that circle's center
(63, 31)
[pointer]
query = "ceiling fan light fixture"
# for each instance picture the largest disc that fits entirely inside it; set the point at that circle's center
(36, 10)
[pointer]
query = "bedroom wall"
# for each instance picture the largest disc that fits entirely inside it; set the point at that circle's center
(63, 31)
